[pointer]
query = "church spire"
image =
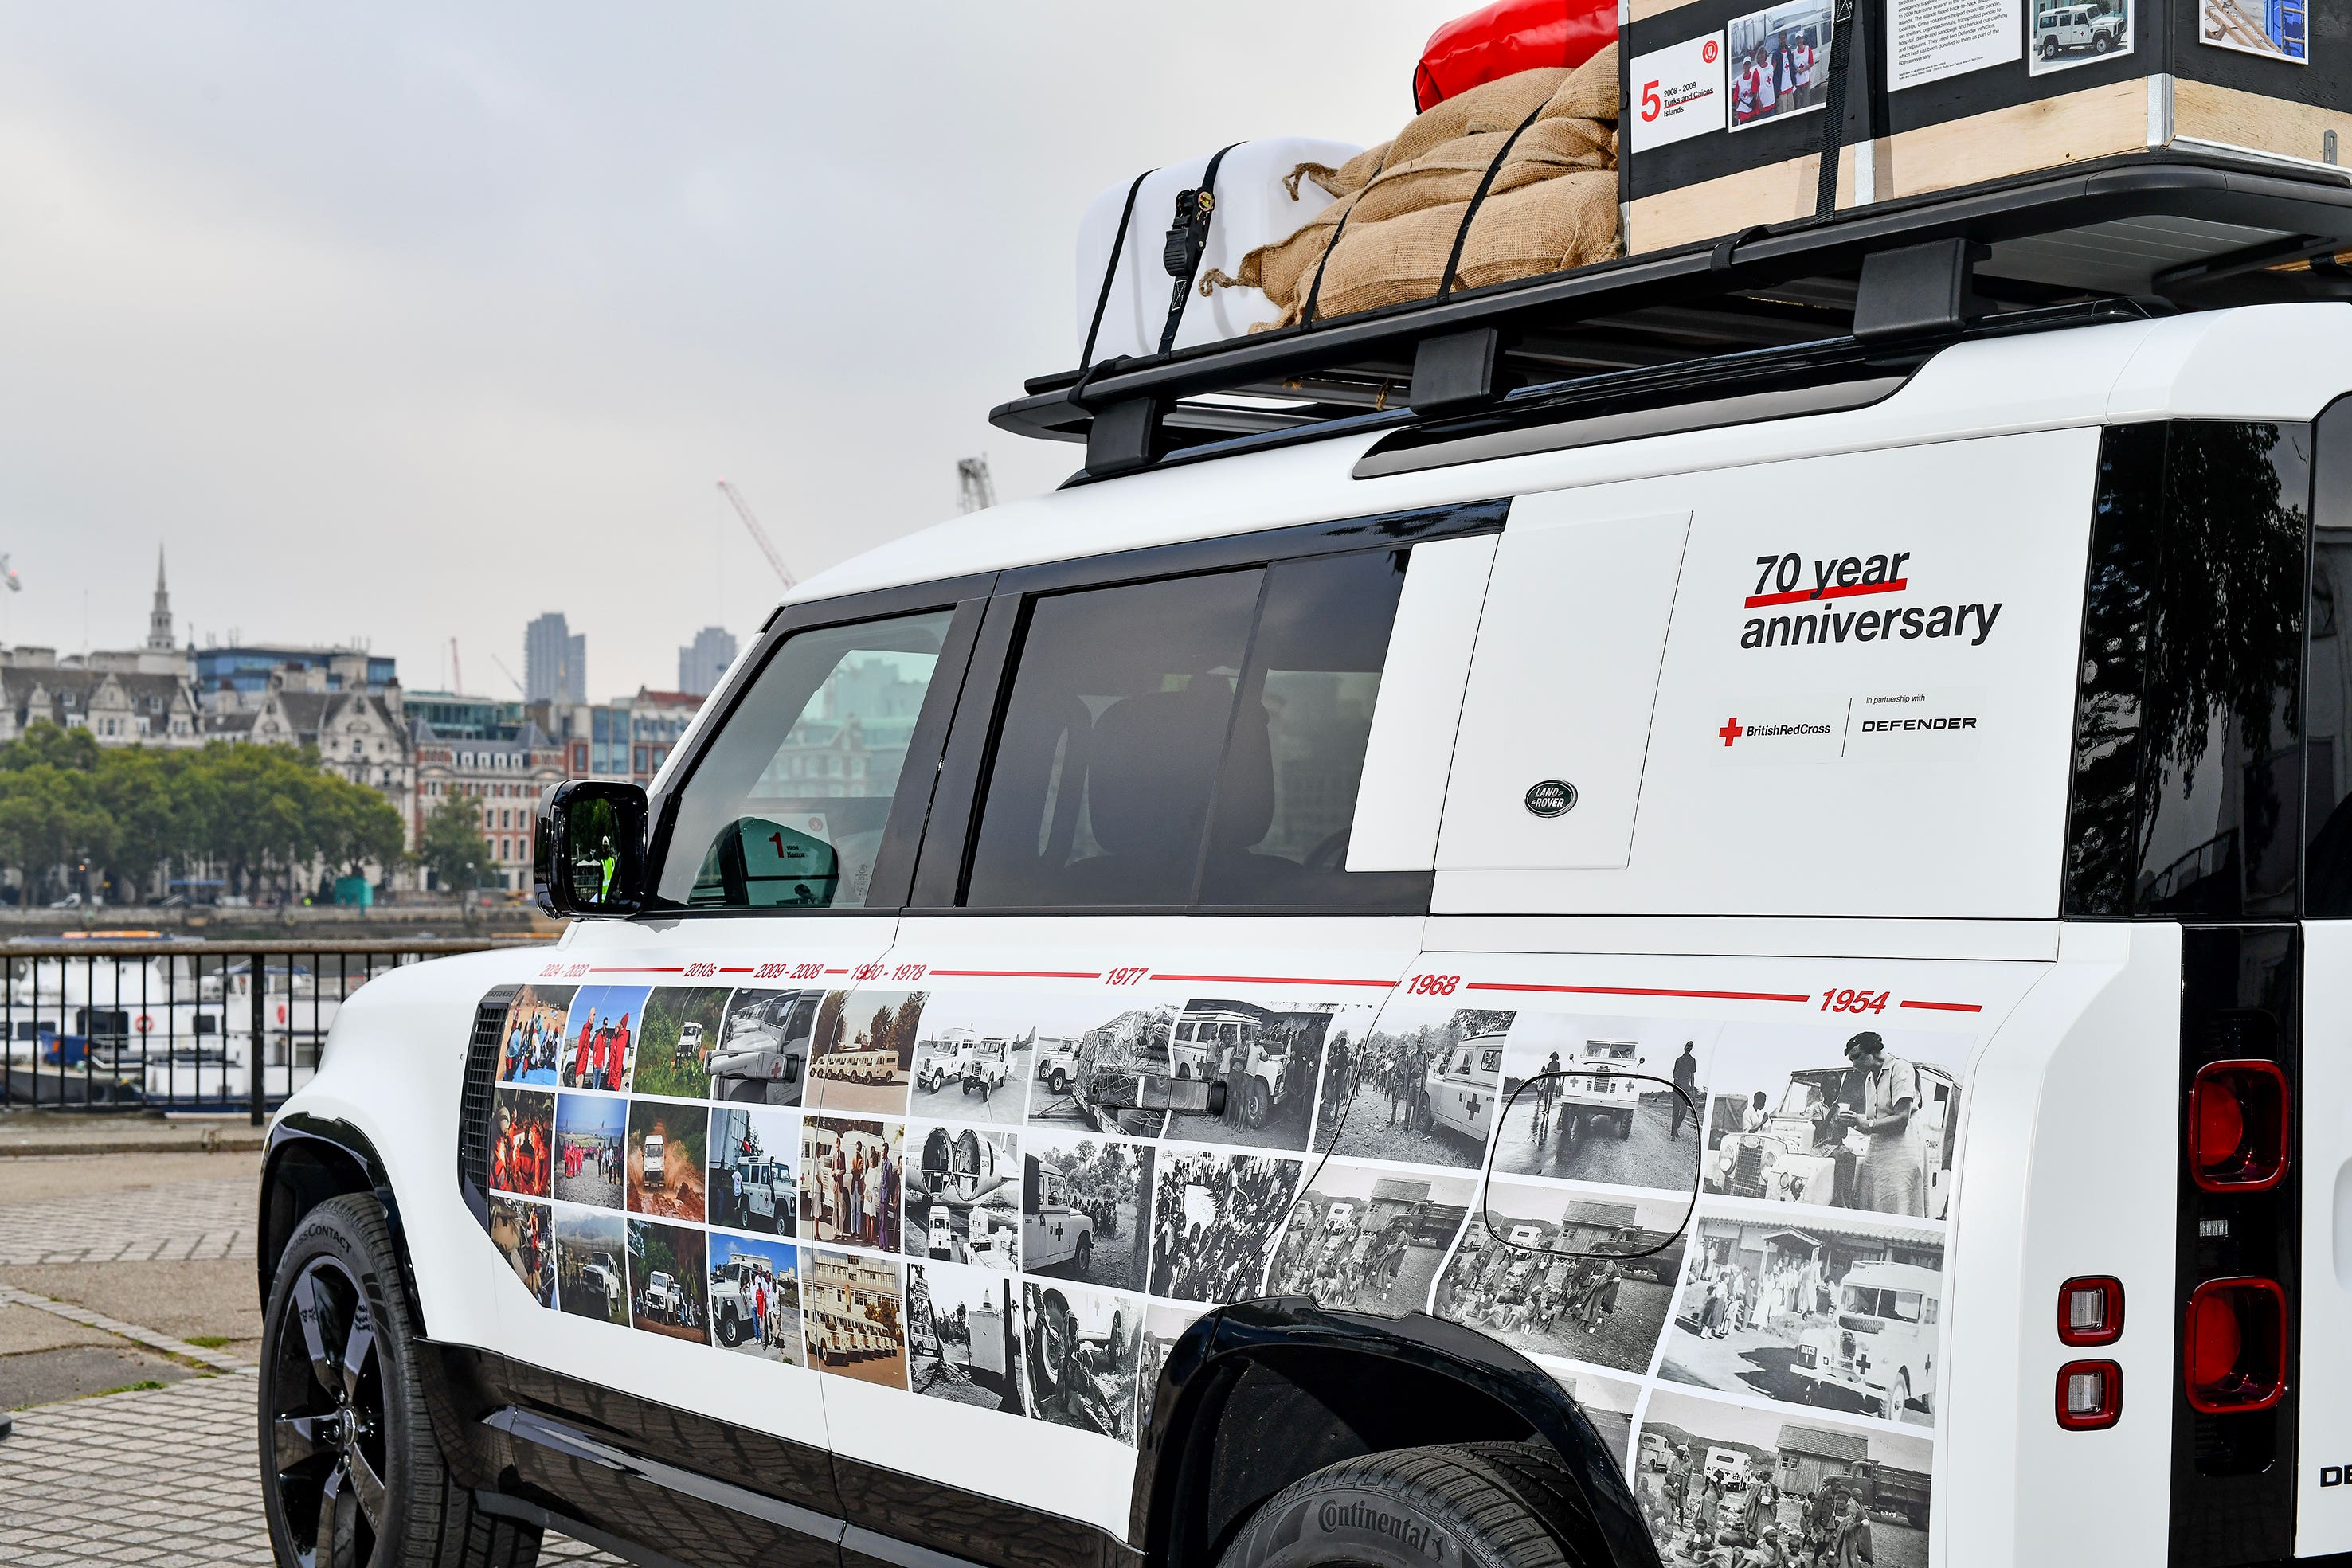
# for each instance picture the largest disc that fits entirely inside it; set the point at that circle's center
(159, 620)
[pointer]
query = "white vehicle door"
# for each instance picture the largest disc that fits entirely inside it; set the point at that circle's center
(781, 852)
(1149, 819)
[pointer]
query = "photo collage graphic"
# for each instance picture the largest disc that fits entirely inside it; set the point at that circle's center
(1723, 1239)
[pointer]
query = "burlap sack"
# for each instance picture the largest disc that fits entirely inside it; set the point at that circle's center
(1569, 220)
(1435, 166)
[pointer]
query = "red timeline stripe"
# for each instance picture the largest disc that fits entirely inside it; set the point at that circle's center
(1651, 991)
(1947, 1006)
(1024, 974)
(736, 971)
(836, 971)
(1807, 595)
(639, 970)
(1266, 980)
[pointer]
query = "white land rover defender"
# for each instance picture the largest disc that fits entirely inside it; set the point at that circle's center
(1903, 655)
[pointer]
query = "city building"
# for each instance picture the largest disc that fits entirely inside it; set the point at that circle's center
(554, 661)
(702, 662)
(503, 775)
(361, 734)
(629, 739)
(457, 717)
(139, 696)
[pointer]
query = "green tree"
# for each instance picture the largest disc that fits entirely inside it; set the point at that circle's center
(452, 847)
(50, 820)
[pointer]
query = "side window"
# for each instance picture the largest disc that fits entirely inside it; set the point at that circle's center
(786, 809)
(2327, 665)
(1191, 741)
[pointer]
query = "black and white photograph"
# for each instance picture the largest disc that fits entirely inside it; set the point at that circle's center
(862, 1057)
(2070, 33)
(1843, 1316)
(1087, 1053)
(754, 1182)
(1607, 1402)
(1081, 1208)
(1269, 1056)
(1369, 1238)
(668, 1288)
(963, 1196)
(1163, 1325)
(1724, 1484)
(755, 1298)
(591, 1279)
(1423, 1088)
(964, 1342)
(1581, 1275)
(591, 1132)
(850, 1180)
(534, 1033)
(975, 1059)
(519, 1230)
(1617, 1101)
(761, 1055)
(853, 1313)
(1084, 1355)
(1777, 61)
(1849, 1116)
(1214, 1218)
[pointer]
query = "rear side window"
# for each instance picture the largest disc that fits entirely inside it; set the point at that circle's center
(1191, 741)
(786, 809)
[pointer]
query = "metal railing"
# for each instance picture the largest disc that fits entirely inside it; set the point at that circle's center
(192, 1026)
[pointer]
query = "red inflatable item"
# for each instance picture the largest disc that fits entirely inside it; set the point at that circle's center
(1510, 36)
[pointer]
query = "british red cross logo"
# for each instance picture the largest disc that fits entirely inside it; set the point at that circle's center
(1731, 731)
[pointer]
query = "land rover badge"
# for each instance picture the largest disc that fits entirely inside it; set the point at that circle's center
(1552, 798)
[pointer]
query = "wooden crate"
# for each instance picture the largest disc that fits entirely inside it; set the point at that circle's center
(1965, 94)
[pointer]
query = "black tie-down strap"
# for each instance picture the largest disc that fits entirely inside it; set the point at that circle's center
(1834, 111)
(1110, 268)
(1478, 198)
(1188, 242)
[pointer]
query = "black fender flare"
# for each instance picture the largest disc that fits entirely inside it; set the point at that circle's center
(307, 1160)
(1204, 1363)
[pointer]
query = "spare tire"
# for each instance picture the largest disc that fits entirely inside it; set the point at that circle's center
(1412, 1508)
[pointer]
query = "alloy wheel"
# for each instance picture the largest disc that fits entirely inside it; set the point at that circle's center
(327, 1428)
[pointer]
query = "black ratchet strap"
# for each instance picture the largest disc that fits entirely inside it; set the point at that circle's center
(1188, 242)
(1834, 111)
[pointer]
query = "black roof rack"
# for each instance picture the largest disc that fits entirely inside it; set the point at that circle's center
(2144, 233)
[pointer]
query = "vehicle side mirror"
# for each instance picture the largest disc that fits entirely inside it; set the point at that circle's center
(588, 850)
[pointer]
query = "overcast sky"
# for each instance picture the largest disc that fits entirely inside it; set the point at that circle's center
(406, 323)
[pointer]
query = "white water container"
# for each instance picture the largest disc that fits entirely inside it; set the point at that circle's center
(1253, 208)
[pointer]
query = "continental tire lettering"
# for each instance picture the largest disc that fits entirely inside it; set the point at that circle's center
(1413, 1533)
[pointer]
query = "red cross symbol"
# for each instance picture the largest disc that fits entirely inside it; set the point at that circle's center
(1731, 732)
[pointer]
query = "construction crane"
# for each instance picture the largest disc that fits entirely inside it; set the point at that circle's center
(509, 674)
(975, 491)
(758, 534)
(456, 670)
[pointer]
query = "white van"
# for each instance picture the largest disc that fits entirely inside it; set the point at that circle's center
(1946, 727)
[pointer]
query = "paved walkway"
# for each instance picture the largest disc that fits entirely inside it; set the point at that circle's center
(81, 1482)
(169, 1223)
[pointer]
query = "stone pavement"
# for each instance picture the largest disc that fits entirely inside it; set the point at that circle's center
(170, 1222)
(83, 1482)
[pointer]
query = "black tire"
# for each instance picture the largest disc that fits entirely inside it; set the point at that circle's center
(343, 1427)
(1084, 1256)
(1411, 1508)
(731, 1330)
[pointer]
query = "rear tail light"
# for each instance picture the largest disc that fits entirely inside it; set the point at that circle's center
(2090, 1394)
(2237, 1127)
(2234, 1345)
(2091, 1310)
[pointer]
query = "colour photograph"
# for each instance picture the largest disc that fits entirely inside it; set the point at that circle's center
(1579, 1275)
(591, 1132)
(1777, 62)
(598, 1034)
(964, 1342)
(1842, 1315)
(674, 1042)
(669, 1289)
(534, 1027)
(1618, 1101)
(1724, 1484)
(755, 1298)
(519, 1229)
(755, 1161)
(1083, 1209)
(1369, 1239)
(522, 1140)
(963, 1196)
(1836, 1117)
(850, 1180)
(853, 1313)
(1085, 1353)
(862, 1053)
(1424, 1089)
(591, 1279)
(665, 1150)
